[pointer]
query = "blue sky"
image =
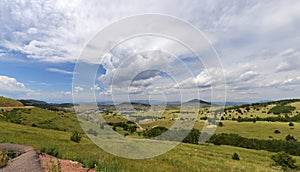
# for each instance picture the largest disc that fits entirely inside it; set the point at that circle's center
(257, 42)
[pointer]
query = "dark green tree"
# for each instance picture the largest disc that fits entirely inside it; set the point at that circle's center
(290, 138)
(284, 160)
(235, 156)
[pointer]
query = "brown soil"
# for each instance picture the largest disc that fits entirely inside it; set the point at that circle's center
(48, 162)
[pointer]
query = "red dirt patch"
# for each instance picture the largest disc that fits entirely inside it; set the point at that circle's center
(48, 162)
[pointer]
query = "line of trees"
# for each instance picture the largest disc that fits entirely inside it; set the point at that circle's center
(286, 118)
(290, 146)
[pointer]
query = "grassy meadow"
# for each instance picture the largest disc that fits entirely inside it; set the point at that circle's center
(185, 157)
(50, 131)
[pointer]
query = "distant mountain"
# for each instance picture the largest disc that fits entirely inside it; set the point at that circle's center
(45, 105)
(7, 102)
(196, 102)
(31, 102)
(134, 104)
(231, 103)
(264, 101)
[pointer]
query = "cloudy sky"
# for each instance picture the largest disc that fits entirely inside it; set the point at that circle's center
(257, 43)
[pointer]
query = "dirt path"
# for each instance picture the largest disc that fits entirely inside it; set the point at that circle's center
(140, 127)
(28, 161)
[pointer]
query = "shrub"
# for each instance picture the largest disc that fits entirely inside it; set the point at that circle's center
(235, 156)
(75, 137)
(3, 159)
(132, 129)
(192, 137)
(276, 131)
(290, 138)
(221, 124)
(291, 124)
(284, 160)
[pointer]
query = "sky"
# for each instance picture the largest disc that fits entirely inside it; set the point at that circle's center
(257, 43)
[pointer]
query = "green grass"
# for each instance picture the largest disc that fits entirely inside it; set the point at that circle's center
(43, 118)
(50, 132)
(260, 129)
(7, 102)
(185, 157)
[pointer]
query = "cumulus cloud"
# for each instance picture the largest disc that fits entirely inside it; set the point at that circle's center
(10, 86)
(78, 89)
(243, 33)
(204, 79)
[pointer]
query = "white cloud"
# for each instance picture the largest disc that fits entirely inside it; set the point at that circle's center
(205, 78)
(248, 75)
(59, 71)
(283, 66)
(96, 87)
(10, 86)
(67, 93)
(78, 89)
(243, 32)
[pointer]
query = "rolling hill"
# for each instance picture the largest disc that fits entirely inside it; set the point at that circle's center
(7, 102)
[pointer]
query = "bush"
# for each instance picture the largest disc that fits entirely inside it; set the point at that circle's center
(75, 137)
(132, 129)
(284, 160)
(291, 124)
(277, 132)
(154, 132)
(290, 138)
(3, 159)
(221, 124)
(192, 137)
(235, 156)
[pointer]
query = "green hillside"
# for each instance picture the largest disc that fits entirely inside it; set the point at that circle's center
(185, 157)
(7, 102)
(50, 130)
(42, 118)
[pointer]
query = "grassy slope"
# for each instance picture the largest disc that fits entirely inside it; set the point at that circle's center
(184, 157)
(6, 102)
(260, 129)
(45, 119)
